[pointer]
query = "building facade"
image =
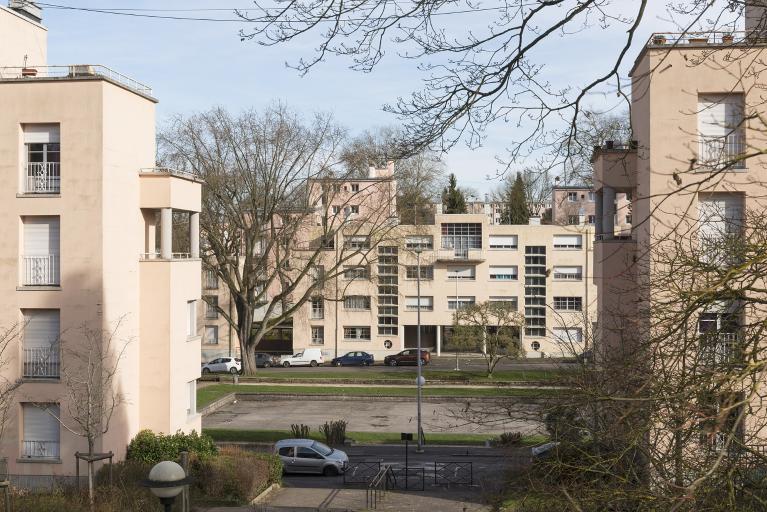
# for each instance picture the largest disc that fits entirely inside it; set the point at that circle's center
(573, 205)
(87, 231)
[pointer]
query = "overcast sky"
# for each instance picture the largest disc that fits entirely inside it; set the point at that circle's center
(196, 65)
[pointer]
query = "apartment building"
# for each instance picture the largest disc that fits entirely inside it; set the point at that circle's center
(87, 243)
(572, 205)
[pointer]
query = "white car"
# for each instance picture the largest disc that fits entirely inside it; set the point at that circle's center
(308, 357)
(223, 364)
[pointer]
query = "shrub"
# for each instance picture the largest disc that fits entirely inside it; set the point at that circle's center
(152, 448)
(235, 475)
(300, 431)
(564, 423)
(509, 439)
(334, 432)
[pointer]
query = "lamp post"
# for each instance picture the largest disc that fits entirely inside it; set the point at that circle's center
(166, 481)
(419, 380)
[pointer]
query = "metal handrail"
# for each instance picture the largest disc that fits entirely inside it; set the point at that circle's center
(381, 482)
(40, 449)
(697, 38)
(169, 171)
(72, 71)
(40, 270)
(43, 178)
(42, 362)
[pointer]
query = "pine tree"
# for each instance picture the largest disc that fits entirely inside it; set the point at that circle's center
(452, 197)
(515, 210)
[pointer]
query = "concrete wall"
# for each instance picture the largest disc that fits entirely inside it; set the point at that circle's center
(20, 37)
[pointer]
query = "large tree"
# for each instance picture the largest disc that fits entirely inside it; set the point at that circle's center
(277, 224)
(453, 199)
(515, 208)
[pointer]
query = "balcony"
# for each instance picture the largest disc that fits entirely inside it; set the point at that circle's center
(688, 39)
(721, 349)
(723, 152)
(43, 178)
(73, 72)
(34, 449)
(40, 270)
(42, 363)
(461, 255)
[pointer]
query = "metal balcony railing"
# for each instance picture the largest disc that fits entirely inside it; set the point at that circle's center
(34, 449)
(43, 178)
(697, 38)
(460, 254)
(75, 71)
(40, 270)
(722, 348)
(42, 362)
(721, 152)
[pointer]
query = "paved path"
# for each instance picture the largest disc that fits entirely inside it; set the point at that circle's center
(362, 415)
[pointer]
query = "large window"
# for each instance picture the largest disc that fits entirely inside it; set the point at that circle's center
(358, 242)
(357, 302)
(356, 272)
(460, 302)
(43, 154)
(719, 337)
(462, 272)
(357, 333)
(461, 237)
(40, 344)
(427, 272)
(41, 260)
(503, 241)
(572, 197)
(211, 334)
(318, 308)
(318, 335)
(210, 280)
(568, 241)
(720, 130)
(423, 242)
(568, 303)
(568, 335)
(720, 218)
(426, 303)
(508, 273)
(512, 302)
(568, 273)
(41, 431)
(211, 307)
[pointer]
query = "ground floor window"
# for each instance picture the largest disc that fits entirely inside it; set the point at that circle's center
(41, 427)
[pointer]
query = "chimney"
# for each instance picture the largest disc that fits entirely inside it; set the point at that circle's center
(756, 12)
(27, 8)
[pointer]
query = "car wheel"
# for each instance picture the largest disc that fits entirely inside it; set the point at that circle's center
(424, 362)
(313, 364)
(393, 362)
(286, 364)
(233, 370)
(205, 371)
(338, 363)
(267, 364)
(330, 471)
(365, 363)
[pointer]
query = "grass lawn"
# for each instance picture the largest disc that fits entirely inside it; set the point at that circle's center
(475, 376)
(270, 436)
(209, 394)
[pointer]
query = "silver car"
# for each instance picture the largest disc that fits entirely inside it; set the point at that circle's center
(308, 456)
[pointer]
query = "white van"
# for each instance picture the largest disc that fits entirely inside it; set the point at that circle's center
(308, 357)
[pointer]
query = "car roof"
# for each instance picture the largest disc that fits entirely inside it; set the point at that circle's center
(294, 442)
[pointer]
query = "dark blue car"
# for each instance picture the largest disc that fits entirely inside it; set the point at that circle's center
(354, 358)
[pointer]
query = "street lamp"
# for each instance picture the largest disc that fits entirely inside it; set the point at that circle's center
(166, 481)
(419, 380)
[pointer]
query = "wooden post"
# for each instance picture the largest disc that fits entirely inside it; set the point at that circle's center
(185, 505)
(77, 470)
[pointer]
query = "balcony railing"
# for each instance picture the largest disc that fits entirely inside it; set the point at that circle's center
(460, 254)
(43, 178)
(40, 270)
(40, 449)
(76, 71)
(721, 152)
(42, 362)
(718, 349)
(697, 38)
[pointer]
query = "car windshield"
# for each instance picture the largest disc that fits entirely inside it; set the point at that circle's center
(322, 449)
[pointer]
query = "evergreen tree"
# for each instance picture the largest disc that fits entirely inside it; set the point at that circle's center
(453, 200)
(515, 210)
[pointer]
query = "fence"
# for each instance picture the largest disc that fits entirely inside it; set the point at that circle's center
(361, 473)
(453, 473)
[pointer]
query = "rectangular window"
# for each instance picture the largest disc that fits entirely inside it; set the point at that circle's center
(427, 272)
(327, 242)
(591, 219)
(41, 431)
(568, 241)
(357, 333)
(591, 196)
(628, 219)
(512, 301)
(423, 242)
(503, 241)
(427, 303)
(318, 308)
(568, 303)
(191, 318)
(43, 159)
(568, 335)
(355, 187)
(357, 243)
(454, 303)
(356, 272)
(508, 273)
(191, 387)
(721, 131)
(568, 273)
(318, 335)
(572, 197)
(41, 347)
(720, 218)
(354, 209)
(357, 302)
(317, 273)
(461, 238)
(336, 210)
(41, 259)
(462, 272)
(573, 220)
(719, 338)
(211, 307)
(211, 334)
(210, 280)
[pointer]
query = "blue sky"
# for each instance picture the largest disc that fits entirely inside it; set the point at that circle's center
(193, 66)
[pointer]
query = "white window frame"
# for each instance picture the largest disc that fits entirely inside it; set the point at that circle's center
(504, 272)
(568, 272)
(208, 337)
(426, 303)
(568, 242)
(455, 303)
(318, 334)
(317, 307)
(352, 272)
(357, 333)
(462, 272)
(357, 302)
(427, 272)
(561, 303)
(513, 300)
(572, 197)
(503, 242)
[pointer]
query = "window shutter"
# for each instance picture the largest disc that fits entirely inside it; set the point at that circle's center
(494, 271)
(567, 240)
(41, 133)
(39, 425)
(41, 236)
(567, 270)
(461, 272)
(503, 241)
(41, 328)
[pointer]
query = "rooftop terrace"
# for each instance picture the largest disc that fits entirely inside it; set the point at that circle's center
(73, 72)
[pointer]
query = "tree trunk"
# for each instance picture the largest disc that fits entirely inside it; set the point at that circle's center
(91, 498)
(247, 340)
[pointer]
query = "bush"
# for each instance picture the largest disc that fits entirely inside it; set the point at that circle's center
(509, 439)
(334, 432)
(300, 431)
(152, 448)
(564, 423)
(235, 475)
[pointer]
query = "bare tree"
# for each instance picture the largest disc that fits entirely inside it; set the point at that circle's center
(279, 227)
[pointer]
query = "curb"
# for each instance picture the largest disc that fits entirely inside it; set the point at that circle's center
(386, 382)
(265, 494)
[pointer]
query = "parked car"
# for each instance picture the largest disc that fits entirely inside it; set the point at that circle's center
(354, 358)
(308, 357)
(266, 360)
(407, 357)
(309, 456)
(223, 364)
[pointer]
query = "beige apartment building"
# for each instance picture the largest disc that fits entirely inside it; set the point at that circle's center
(573, 205)
(87, 242)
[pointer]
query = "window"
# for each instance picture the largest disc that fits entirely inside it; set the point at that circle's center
(719, 338)
(503, 241)
(427, 272)
(191, 318)
(426, 243)
(357, 302)
(568, 303)
(318, 273)
(355, 187)
(318, 308)
(41, 431)
(210, 280)
(327, 242)
(720, 130)
(211, 334)
(721, 218)
(356, 272)
(211, 307)
(591, 196)
(568, 241)
(426, 304)
(336, 210)
(722, 420)
(591, 219)
(461, 238)
(191, 387)
(568, 335)
(568, 273)
(454, 303)
(503, 273)
(573, 220)
(357, 333)
(318, 335)
(41, 261)
(41, 348)
(355, 208)
(358, 242)
(466, 273)
(536, 346)
(512, 301)
(572, 197)
(43, 154)
(628, 219)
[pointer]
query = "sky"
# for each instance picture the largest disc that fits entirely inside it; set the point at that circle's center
(193, 66)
